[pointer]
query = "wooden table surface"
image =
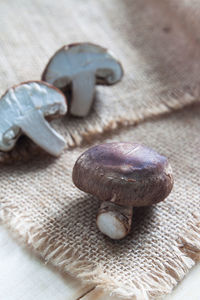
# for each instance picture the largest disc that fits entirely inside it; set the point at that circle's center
(23, 276)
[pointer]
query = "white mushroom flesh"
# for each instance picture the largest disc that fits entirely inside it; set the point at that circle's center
(22, 110)
(83, 65)
(114, 220)
(83, 93)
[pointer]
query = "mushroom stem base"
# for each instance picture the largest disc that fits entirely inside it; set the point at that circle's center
(114, 220)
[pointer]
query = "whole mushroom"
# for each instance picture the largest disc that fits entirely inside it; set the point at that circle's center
(78, 67)
(123, 176)
(23, 109)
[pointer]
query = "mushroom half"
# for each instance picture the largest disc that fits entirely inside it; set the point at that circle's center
(79, 67)
(23, 110)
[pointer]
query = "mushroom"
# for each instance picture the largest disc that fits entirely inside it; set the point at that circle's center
(122, 176)
(79, 67)
(23, 109)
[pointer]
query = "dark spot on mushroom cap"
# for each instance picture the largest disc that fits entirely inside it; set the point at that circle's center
(127, 173)
(167, 29)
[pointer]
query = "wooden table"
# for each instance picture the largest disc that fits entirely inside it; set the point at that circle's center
(23, 276)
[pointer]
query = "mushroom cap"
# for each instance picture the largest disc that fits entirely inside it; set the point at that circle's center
(22, 99)
(73, 59)
(36, 94)
(124, 173)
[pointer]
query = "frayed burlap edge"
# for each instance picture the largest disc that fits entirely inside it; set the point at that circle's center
(89, 131)
(152, 285)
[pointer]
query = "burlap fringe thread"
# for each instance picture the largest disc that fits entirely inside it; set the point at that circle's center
(150, 286)
(88, 131)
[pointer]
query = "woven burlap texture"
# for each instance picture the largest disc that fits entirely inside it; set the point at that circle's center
(158, 44)
(40, 202)
(156, 41)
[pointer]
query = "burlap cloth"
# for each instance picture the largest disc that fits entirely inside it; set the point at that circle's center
(158, 44)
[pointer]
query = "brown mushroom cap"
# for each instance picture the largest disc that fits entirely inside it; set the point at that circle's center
(127, 173)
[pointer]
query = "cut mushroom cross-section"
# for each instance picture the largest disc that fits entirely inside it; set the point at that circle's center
(81, 66)
(23, 110)
(122, 176)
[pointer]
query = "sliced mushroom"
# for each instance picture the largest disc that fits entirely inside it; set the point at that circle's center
(23, 109)
(81, 66)
(122, 176)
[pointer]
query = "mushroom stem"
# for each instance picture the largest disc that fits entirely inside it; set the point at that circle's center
(38, 129)
(83, 86)
(114, 220)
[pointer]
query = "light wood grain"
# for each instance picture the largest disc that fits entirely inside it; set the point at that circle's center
(23, 276)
